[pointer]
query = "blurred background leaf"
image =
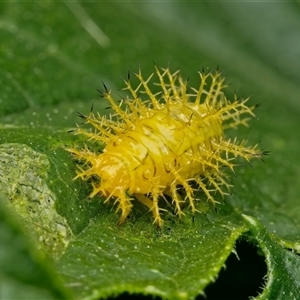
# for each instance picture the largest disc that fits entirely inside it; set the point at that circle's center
(53, 56)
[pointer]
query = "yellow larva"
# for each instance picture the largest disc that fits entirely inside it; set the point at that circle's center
(171, 138)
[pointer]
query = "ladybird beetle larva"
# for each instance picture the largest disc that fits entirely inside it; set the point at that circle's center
(170, 139)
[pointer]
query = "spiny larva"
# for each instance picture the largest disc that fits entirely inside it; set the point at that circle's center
(164, 140)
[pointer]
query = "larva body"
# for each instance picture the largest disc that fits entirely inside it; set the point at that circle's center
(171, 139)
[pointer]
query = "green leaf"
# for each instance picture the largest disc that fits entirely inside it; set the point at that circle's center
(176, 262)
(24, 274)
(53, 58)
(283, 275)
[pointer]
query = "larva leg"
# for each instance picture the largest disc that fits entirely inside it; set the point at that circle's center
(144, 200)
(152, 205)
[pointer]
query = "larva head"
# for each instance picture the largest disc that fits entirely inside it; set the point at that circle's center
(113, 175)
